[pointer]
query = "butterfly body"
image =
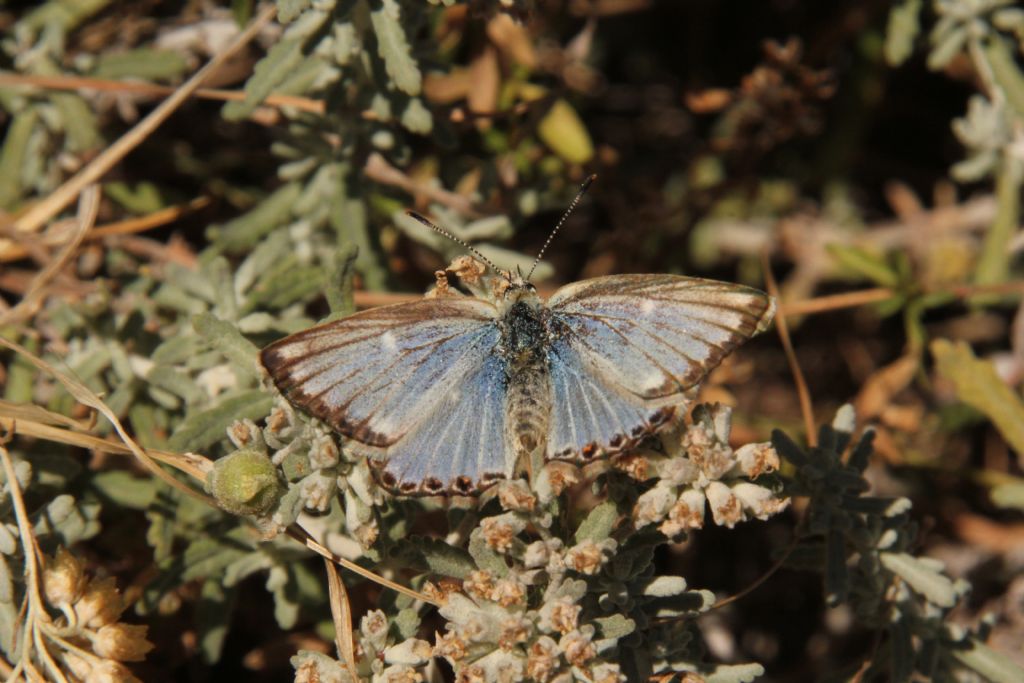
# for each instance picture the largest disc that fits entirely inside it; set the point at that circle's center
(451, 393)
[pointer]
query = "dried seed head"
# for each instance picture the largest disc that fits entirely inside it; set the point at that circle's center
(542, 660)
(565, 616)
(479, 584)
(577, 647)
(509, 592)
(725, 507)
(755, 459)
(587, 557)
(514, 630)
(100, 604)
(634, 465)
(63, 580)
(122, 642)
(500, 531)
(515, 496)
(451, 646)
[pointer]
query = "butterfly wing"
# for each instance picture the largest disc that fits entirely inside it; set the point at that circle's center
(630, 346)
(392, 378)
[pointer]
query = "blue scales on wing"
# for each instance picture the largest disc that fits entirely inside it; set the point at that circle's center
(399, 381)
(632, 346)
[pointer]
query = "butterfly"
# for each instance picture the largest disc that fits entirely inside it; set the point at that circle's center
(451, 393)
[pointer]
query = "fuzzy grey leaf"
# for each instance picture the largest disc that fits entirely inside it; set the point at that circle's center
(615, 626)
(663, 586)
(287, 10)
(213, 617)
(935, 587)
(394, 48)
(202, 429)
(733, 673)
(993, 666)
(224, 336)
(1009, 495)
(125, 489)
(484, 557)
(444, 559)
(599, 523)
(248, 229)
(904, 25)
(281, 61)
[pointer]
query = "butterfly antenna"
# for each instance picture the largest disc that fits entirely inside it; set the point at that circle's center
(572, 205)
(438, 229)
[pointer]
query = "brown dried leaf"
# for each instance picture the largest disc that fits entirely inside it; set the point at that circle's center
(880, 388)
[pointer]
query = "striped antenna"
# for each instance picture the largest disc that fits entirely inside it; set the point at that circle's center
(441, 231)
(572, 205)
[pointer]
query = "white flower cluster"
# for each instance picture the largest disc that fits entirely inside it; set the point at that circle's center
(702, 469)
(316, 470)
(492, 635)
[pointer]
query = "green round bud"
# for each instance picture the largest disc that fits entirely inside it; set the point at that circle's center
(246, 483)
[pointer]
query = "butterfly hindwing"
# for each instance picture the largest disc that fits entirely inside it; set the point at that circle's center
(460, 447)
(631, 346)
(589, 417)
(376, 375)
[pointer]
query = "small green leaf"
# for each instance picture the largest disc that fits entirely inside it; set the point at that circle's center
(663, 586)
(340, 297)
(874, 267)
(996, 254)
(904, 25)
(213, 618)
(144, 63)
(934, 586)
(13, 156)
(615, 626)
(733, 673)
(564, 132)
(1006, 71)
(394, 48)
(226, 338)
(1009, 495)
(248, 229)
(484, 557)
(599, 523)
(287, 10)
(200, 430)
(79, 122)
(444, 559)
(979, 386)
(125, 489)
(280, 62)
(991, 665)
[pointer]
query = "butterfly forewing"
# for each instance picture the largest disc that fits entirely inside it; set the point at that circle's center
(658, 335)
(375, 376)
(631, 346)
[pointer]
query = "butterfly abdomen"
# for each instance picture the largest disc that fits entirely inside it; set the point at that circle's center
(528, 399)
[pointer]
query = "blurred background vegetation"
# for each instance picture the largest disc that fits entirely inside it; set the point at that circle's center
(872, 152)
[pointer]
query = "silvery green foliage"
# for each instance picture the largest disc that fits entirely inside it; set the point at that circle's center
(532, 591)
(57, 519)
(864, 547)
(49, 130)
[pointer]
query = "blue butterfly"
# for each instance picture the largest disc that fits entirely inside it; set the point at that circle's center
(450, 394)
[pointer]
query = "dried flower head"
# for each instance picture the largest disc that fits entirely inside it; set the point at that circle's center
(64, 579)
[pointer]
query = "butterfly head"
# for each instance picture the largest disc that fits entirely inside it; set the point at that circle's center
(513, 289)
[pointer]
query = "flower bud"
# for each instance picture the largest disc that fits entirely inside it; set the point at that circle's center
(246, 483)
